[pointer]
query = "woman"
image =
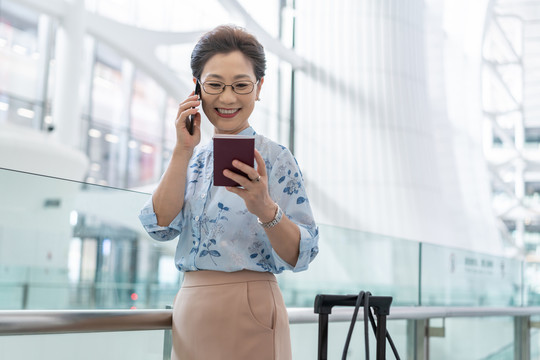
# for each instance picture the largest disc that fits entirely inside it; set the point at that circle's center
(232, 239)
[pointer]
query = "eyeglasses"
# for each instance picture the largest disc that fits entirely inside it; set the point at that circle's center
(242, 87)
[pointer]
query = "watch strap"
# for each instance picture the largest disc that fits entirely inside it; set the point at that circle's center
(275, 221)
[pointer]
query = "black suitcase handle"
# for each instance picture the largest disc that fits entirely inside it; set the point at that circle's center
(380, 304)
(324, 303)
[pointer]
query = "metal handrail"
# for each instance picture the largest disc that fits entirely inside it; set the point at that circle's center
(32, 322)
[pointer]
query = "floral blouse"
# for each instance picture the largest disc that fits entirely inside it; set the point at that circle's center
(215, 229)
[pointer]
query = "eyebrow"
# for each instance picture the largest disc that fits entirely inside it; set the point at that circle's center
(240, 76)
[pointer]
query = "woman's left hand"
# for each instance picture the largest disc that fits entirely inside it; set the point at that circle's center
(255, 189)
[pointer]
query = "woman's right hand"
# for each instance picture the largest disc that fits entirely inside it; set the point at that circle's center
(184, 140)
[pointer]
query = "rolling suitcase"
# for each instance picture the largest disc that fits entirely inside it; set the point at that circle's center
(381, 306)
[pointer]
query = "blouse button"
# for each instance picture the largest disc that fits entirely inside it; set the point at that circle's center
(197, 218)
(203, 196)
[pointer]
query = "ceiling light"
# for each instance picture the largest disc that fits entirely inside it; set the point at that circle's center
(95, 133)
(111, 138)
(27, 113)
(147, 149)
(19, 49)
(103, 82)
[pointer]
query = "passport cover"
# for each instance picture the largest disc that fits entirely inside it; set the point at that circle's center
(226, 149)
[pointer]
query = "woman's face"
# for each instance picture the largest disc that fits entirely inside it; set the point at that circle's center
(229, 112)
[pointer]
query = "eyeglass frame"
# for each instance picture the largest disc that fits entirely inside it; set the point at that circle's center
(225, 85)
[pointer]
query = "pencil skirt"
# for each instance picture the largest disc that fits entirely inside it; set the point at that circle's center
(238, 315)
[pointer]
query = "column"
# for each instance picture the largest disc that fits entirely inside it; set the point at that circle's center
(69, 53)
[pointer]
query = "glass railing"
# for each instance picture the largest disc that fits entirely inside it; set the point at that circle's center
(73, 245)
(455, 277)
(133, 345)
(351, 260)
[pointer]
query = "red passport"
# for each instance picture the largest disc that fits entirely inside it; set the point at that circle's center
(228, 148)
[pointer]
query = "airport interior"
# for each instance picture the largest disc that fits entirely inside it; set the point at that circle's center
(416, 125)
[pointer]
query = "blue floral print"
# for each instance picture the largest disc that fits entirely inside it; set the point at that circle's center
(197, 167)
(208, 251)
(217, 229)
(293, 186)
(257, 252)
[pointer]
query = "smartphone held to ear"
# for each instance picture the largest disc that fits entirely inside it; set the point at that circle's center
(191, 118)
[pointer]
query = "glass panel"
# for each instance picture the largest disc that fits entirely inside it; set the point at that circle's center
(147, 106)
(106, 152)
(474, 338)
(532, 282)
(81, 247)
(108, 91)
(464, 278)
(350, 261)
(133, 345)
(535, 338)
(146, 130)
(19, 51)
(20, 111)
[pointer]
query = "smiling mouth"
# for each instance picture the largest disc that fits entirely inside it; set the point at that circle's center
(227, 112)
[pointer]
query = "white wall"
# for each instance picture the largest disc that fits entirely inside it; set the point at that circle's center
(379, 154)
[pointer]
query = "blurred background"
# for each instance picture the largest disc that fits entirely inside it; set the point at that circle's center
(416, 125)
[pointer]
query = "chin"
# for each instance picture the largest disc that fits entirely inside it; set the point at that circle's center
(221, 126)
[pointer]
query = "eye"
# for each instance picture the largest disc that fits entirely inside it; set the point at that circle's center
(242, 85)
(214, 85)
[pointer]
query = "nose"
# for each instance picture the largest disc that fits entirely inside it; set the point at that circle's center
(228, 96)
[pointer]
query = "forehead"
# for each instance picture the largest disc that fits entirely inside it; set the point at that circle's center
(228, 66)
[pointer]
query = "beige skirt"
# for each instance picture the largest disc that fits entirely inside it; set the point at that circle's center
(238, 315)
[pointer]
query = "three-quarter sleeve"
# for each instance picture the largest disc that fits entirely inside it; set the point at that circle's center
(148, 220)
(288, 190)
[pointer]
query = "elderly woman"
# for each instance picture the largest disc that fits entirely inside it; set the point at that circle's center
(232, 240)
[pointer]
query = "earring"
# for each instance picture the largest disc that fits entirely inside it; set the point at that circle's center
(257, 99)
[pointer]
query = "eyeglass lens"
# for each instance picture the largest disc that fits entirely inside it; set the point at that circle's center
(217, 87)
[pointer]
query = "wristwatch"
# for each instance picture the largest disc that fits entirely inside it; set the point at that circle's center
(277, 219)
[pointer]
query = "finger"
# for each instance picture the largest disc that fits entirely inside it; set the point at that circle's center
(261, 166)
(240, 179)
(246, 169)
(189, 111)
(197, 121)
(196, 125)
(182, 118)
(191, 101)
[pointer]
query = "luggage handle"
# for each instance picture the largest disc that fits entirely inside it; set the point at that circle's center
(381, 305)
(324, 303)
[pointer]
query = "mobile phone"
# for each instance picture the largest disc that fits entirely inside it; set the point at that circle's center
(190, 119)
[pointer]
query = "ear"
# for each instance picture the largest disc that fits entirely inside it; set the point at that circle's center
(195, 80)
(259, 86)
